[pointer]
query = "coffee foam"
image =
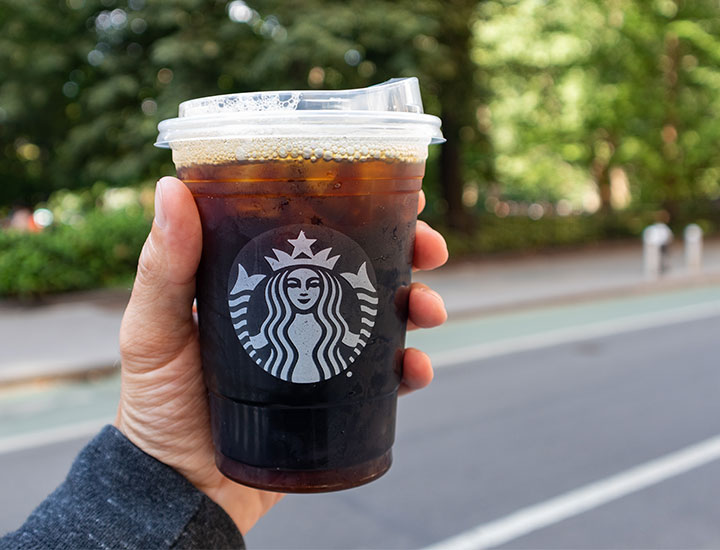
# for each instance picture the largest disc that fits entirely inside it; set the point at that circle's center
(264, 149)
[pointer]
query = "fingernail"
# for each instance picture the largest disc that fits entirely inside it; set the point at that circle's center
(160, 219)
(439, 300)
(434, 294)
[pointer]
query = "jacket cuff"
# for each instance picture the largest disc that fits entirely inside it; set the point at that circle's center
(117, 496)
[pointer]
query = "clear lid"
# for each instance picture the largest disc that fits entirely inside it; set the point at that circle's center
(394, 107)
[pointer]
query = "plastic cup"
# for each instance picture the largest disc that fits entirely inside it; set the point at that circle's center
(308, 202)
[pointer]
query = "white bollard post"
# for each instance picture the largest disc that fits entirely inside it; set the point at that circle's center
(693, 236)
(656, 248)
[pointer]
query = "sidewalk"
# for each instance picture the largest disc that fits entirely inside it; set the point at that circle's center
(77, 334)
(72, 336)
(606, 270)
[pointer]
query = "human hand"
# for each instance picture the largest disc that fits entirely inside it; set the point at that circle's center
(163, 403)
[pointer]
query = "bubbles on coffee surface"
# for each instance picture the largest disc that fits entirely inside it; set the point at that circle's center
(264, 149)
(235, 103)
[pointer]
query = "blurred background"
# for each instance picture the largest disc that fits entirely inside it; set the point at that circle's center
(577, 379)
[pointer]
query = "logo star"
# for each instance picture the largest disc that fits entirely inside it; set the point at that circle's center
(302, 245)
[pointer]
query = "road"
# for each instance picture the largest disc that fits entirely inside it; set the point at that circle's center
(517, 427)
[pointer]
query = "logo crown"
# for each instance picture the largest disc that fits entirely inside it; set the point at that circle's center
(302, 254)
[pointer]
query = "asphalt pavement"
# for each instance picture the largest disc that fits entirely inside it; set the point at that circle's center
(497, 434)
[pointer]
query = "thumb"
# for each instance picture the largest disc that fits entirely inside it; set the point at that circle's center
(158, 320)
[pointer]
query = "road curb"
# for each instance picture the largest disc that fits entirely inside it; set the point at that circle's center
(32, 373)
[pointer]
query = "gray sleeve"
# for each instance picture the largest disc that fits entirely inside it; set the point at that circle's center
(116, 496)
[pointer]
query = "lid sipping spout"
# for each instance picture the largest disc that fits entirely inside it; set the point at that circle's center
(397, 95)
(401, 95)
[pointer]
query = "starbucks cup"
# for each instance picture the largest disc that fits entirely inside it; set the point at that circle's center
(308, 202)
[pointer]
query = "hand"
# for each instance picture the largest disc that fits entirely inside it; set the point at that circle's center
(163, 403)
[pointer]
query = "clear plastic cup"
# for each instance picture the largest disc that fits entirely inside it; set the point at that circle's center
(308, 202)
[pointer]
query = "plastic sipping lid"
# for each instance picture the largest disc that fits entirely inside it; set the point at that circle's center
(391, 108)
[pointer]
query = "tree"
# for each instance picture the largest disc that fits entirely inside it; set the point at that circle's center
(589, 88)
(456, 80)
(83, 90)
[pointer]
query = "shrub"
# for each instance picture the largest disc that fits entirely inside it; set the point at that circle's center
(98, 251)
(493, 234)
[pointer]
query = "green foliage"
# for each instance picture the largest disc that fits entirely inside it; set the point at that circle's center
(83, 83)
(494, 234)
(592, 103)
(94, 242)
(600, 87)
(102, 250)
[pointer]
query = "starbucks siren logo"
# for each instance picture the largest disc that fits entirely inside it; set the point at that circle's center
(301, 319)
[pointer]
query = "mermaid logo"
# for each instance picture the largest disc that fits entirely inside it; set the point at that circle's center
(300, 318)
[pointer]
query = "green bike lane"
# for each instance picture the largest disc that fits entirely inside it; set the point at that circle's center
(482, 336)
(46, 412)
(42, 413)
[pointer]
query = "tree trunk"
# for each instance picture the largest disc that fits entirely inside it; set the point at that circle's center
(458, 97)
(451, 174)
(601, 174)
